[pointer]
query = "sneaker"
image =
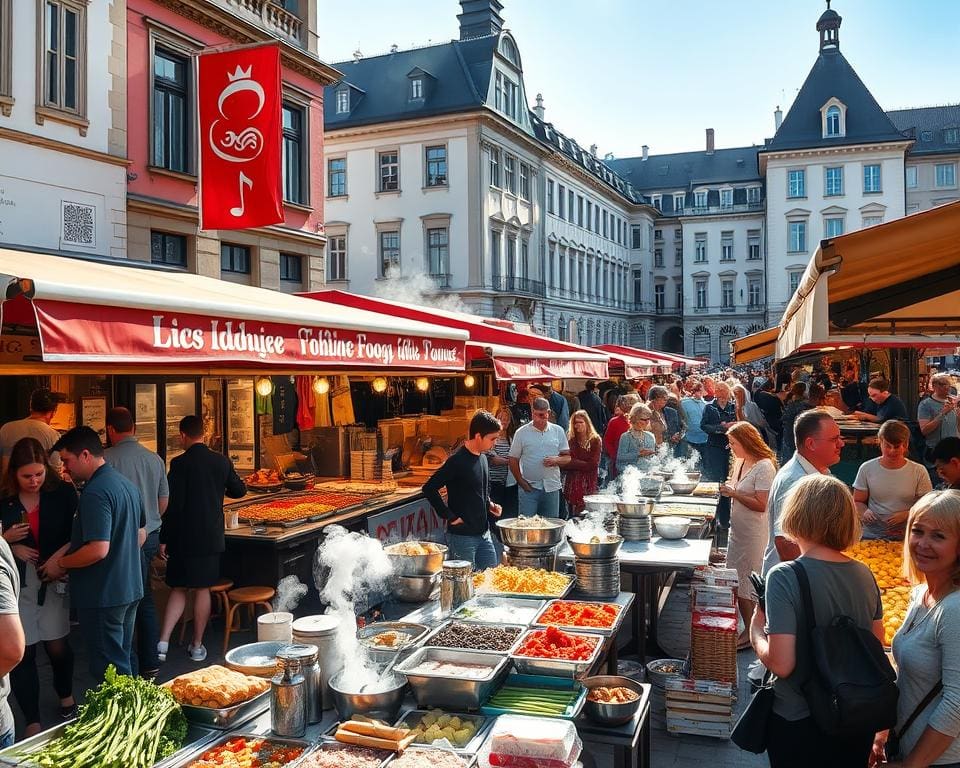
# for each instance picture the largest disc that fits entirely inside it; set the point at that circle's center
(197, 653)
(162, 649)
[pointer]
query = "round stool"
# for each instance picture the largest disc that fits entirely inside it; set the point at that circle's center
(250, 597)
(218, 592)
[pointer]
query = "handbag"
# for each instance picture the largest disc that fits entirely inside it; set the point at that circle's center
(750, 732)
(892, 747)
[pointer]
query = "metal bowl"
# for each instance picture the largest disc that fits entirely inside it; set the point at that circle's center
(612, 714)
(684, 487)
(416, 565)
(601, 502)
(384, 705)
(651, 486)
(672, 527)
(257, 659)
(603, 550)
(382, 654)
(415, 589)
(661, 670)
(547, 536)
(638, 508)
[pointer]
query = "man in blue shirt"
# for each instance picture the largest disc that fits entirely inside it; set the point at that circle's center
(106, 581)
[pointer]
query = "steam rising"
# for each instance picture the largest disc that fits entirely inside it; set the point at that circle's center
(581, 531)
(290, 591)
(416, 289)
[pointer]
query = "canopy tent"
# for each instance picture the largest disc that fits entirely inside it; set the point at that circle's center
(514, 354)
(897, 282)
(89, 312)
(657, 357)
(633, 366)
(754, 346)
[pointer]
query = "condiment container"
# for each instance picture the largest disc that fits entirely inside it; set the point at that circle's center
(275, 626)
(456, 585)
(288, 698)
(307, 655)
(321, 631)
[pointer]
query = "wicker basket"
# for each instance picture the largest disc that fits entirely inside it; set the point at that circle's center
(713, 647)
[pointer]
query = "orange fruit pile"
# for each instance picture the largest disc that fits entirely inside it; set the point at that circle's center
(885, 560)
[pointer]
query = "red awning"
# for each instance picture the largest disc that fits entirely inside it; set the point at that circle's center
(515, 354)
(675, 361)
(92, 312)
(632, 366)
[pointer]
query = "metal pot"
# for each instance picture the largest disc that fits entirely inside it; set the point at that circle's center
(415, 589)
(416, 565)
(549, 535)
(682, 488)
(384, 705)
(601, 502)
(638, 508)
(603, 550)
(612, 714)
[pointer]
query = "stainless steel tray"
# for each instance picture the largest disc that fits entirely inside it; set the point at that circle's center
(532, 665)
(435, 690)
(532, 607)
(533, 596)
(605, 631)
(469, 761)
(411, 717)
(226, 718)
(428, 641)
(195, 754)
(416, 632)
(328, 745)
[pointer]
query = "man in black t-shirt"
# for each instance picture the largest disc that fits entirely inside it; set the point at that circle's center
(883, 405)
(466, 477)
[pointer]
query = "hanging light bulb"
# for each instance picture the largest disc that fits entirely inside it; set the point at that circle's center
(321, 385)
(469, 381)
(379, 385)
(423, 383)
(264, 386)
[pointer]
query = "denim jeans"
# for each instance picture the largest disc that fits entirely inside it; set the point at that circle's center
(538, 502)
(147, 628)
(6, 739)
(108, 636)
(475, 549)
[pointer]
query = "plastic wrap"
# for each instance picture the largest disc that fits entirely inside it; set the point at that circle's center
(516, 741)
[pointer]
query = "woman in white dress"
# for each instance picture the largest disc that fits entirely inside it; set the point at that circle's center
(754, 467)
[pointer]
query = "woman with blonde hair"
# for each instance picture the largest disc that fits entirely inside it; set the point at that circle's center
(820, 516)
(754, 468)
(638, 446)
(927, 645)
(580, 475)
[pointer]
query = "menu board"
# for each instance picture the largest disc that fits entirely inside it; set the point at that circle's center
(93, 413)
(241, 441)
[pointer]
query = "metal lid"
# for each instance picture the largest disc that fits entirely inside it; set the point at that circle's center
(301, 652)
(287, 666)
(316, 626)
(457, 567)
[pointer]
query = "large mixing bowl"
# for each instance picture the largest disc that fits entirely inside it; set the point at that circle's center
(604, 550)
(601, 502)
(256, 659)
(383, 705)
(635, 508)
(415, 589)
(612, 714)
(672, 527)
(548, 534)
(416, 565)
(684, 487)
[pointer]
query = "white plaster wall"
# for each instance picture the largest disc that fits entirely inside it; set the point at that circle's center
(926, 194)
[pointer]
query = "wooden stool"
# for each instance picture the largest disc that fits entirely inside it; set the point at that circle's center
(220, 605)
(250, 597)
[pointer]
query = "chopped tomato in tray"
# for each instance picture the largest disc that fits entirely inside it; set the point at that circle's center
(569, 613)
(553, 643)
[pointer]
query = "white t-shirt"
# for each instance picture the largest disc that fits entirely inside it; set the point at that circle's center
(891, 490)
(532, 446)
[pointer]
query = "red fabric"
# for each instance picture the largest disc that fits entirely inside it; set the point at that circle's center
(33, 518)
(581, 474)
(240, 138)
(306, 402)
(616, 427)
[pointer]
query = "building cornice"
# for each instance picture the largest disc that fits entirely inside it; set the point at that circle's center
(62, 146)
(224, 23)
(814, 152)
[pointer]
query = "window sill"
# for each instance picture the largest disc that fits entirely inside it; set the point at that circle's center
(796, 197)
(6, 105)
(60, 116)
(436, 188)
(873, 192)
(305, 208)
(338, 197)
(172, 174)
(338, 280)
(833, 194)
(386, 192)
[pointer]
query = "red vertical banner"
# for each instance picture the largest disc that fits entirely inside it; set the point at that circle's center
(239, 105)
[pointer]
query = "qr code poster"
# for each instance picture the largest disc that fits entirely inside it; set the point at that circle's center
(78, 224)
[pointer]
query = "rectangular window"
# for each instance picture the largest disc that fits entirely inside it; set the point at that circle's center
(636, 236)
(637, 288)
(550, 203)
(945, 175)
(726, 246)
(797, 183)
(658, 297)
(795, 277)
(726, 198)
(510, 97)
(510, 173)
(438, 252)
(294, 186)
(337, 260)
(337, 176)
(389, 254)
(562, 197)
(911, 176)
(657, 201)
(389, 163)
(596, 218)
(498, 93)
(678, 296)
(552, 267)
(700, 248)
(580, 210)
(678, 203)
(753, 293)
(436, 158)
(495, 254)
(495, 168)
(872, 221)
(511, 257)
(701, 288)
(753, 195)
(343, 101)
(291, 267)
(171, 112)
(589, 222)
(798, 237)
(700, 199)
(726, 293)
(678, 257)
(606, 227)
(63, 68)
(833, 178)
(951, 135)
(169, 249)
(753, 244)
(234, 258)
(871, 178)
(678, 234)
(658, 234)
(570, 197)
(524, 259)
(658, 257)
(416, 88)
(524, 181)
(833, 226)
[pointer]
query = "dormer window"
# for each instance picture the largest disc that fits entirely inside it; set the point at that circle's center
(343, 102)
(420, 85)
(509, 51)
(833, 115)
(833, 121)
(416, 88)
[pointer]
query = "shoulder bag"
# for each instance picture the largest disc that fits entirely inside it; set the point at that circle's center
(750, 732)
(893, 745)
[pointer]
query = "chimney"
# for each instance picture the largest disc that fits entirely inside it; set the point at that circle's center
(593, 150)
(479, 18)
(777, 119)
(394, 48)
(709, 141)
(646, 152)
(539, 110)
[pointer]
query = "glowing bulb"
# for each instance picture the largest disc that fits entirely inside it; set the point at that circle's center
(469, 381)
(264, 386)
(321, 385)
(379, 385)
(423, 383)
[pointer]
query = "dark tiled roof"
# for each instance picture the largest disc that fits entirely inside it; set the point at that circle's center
(929, 127)
(832, 76)
(460, 76)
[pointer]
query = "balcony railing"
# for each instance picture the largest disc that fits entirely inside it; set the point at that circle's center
(730, 309)
(510, 284)
(440, 279)
(708, 210)
(271, 15)
(590, 298)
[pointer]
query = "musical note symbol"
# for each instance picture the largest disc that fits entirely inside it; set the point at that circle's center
(245, 181)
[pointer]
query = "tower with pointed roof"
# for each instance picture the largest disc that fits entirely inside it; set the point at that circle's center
(834, 165)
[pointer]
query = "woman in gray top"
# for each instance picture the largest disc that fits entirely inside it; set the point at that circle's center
(821, 518)
(927, 646)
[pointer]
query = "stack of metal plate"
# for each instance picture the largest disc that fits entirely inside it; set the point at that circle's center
(636, 528)
(531, 557)
(598, 578)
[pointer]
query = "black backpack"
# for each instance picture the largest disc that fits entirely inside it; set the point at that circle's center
(853, 686)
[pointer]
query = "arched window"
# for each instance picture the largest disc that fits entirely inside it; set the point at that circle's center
(727, 334)
(701, 341)
(509, 51)
(562, 329)
(833, 121)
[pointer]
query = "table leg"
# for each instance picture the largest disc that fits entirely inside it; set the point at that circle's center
(652, 598)
(644, 761)
(639, 613)
(622, 757)
(613, 657)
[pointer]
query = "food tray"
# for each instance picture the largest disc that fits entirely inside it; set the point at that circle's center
(410, 717)
(198, 750)
(521, 628)
(452, 692)
(225, 718)
(331, 744)
(416, 633)
(470, 761)
(495, 601)
(533, 682)
(532, 595)
(674, 509)
(268, 488)
(604, 631)
(535, 665)
(274, 523)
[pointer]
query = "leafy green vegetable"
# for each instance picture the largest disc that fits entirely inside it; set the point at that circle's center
(126, 722)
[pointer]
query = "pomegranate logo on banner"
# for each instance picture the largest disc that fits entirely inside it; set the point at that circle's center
(240, 152)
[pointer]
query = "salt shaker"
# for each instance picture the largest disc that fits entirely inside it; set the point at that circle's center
(288, 698)
(456, 584)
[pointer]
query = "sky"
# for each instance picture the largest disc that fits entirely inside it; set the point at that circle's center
(623, 73)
